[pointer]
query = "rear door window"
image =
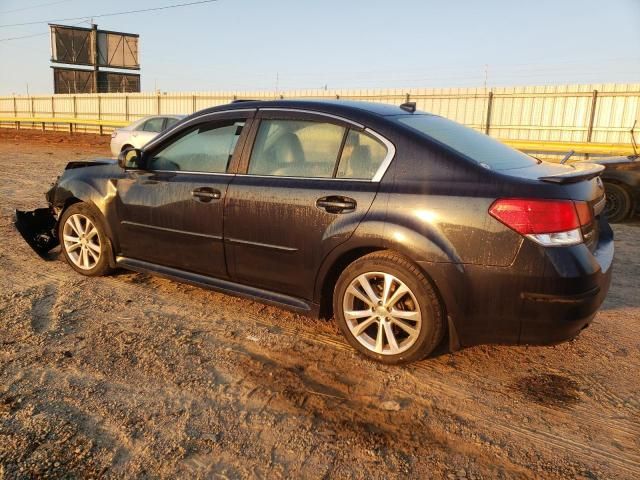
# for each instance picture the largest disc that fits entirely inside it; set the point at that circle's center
(294, 148)
(477, 146)
(153, 125)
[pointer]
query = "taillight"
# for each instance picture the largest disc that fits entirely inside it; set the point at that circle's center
(585, 216)
(547, 222)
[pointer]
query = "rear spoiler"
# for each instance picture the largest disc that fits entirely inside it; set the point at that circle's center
(581, 171)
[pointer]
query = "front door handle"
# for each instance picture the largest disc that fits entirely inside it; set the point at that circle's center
(336, 204)
(205, 194)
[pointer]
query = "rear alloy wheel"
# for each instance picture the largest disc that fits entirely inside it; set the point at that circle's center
(84, 243)
(387, 309)
(618, 206)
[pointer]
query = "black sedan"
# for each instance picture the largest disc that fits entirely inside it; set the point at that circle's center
(404, 226)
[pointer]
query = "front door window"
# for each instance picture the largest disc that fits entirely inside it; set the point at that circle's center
(206, 148)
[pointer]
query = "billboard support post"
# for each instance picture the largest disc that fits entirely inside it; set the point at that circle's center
(100, 111)
(96, 68)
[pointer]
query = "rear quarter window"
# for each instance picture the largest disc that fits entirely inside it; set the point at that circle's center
(153, 125)
(171, 122)
(477, 146)
(361, 157)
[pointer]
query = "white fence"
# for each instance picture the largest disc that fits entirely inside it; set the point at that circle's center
(567, 113)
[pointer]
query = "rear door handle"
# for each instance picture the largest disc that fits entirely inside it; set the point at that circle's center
(206, 194)
(336, 204)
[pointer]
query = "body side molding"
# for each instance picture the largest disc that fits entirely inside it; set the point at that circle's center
(224, 286)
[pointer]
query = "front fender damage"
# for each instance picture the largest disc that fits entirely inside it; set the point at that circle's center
(38, 228)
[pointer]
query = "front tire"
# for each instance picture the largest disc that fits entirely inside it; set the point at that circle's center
(84, 243)
(387, 309)
(619, 204)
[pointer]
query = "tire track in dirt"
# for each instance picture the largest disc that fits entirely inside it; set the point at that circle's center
(486, 384)
(41, 309)
(588, 414)
(629, 463)
(584, 451)
(605, 393)
(542, 440)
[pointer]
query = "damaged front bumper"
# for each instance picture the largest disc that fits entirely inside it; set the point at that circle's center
(38, 228)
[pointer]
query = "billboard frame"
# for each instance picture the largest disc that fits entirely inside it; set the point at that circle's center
(93, 46)
(102, 80)
(98, 48)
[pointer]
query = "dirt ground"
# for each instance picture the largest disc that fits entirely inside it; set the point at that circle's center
(135, 376)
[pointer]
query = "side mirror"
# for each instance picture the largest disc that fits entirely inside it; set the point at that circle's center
(131, 158)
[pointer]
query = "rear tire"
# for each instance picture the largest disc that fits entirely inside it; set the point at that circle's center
(619, 203)
(387, 309)
(84, 241)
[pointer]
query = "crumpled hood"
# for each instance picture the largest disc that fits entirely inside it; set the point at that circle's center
(90, 163)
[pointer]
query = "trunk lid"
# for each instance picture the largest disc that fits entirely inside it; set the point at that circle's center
(578, 173)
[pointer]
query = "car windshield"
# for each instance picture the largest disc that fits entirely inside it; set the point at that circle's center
(477, 146)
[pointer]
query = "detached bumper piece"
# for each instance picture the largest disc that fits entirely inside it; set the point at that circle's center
(38, 228)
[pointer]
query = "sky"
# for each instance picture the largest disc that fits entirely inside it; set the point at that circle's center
(279, 45)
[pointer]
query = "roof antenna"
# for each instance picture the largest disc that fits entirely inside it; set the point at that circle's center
(634, 145)
(408, 107)
(567, 157)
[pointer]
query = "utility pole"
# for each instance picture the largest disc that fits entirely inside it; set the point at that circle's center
(486, 75)
(96, 69)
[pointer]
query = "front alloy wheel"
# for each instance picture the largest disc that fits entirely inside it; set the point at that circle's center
(84, 241)
(81, 241)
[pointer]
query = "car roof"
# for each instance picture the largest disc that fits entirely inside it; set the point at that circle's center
(347, 108)
(163, 115)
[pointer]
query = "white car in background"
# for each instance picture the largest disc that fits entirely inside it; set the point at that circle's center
(140, 132)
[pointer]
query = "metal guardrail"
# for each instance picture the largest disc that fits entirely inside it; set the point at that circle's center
(43, 121)
(539, 146)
